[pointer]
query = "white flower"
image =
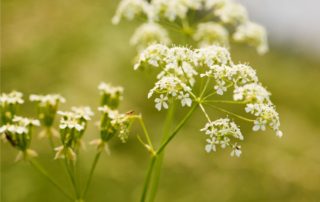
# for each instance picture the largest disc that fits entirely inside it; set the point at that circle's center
(13, 129)
(161, 102)
(83, 112)
(50, 99)
(253, 34)
(185, 99)
(279, 133)
(110, 90)
(220, 87)
(11, 98)
(25, 121)
(71, 124)
(259, 124)
(236, 150)
(211, 146)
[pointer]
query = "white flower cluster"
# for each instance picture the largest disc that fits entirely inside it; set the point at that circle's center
(149, 33)
(12, 98)
(266, 116)
(19, 135)
(51, 99)
(180, 69)
(220, 18)
(8, 106)
(72, 127)
(114, 122)
(26, 122)
(110, 95)
(211, 33)
(251, 92)
(253, 35)
(76, 118)
(231, 13)
(220, 133)
(174, 8)
(129, 9)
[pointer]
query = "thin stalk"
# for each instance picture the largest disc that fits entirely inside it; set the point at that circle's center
(49, 134)
(39, 168)
(74, 174)
(145, 131)
(147, 180)
(225, 101)
(93, 167)
(71, 176)
(159, 161)
(231, 113)
(205, 113)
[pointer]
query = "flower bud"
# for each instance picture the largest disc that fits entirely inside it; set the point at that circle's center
(8, 106)
(47, 106)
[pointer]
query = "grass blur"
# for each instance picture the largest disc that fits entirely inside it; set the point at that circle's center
(68, 47)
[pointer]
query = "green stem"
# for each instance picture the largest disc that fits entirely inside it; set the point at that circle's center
(145, 131)
(231, 113)
(49, 134)
(38, 167)
(72, 178)
(225, 101)
(158, 165)
(177, 129)
(147, 180)
(93, 167)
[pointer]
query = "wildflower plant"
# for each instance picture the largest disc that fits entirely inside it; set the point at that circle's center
(18, 131)
(198, 75)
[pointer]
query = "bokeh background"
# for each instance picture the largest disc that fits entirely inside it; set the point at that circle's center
(68, 47)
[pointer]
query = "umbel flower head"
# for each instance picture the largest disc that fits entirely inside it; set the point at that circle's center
(9, 103)
(110, 95)
(149, 33)
(111, 122)
(182, 70)
(47, 106)
(215, 22)
(72, 127)
(19, 135)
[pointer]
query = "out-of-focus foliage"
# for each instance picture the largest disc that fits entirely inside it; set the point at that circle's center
(68, 47)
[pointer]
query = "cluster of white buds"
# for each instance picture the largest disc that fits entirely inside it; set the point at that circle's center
(220, 133)
(181, 68)
(253, 35)
(214, 20)
(8, 105)
(171, 10)
(47, 107)
(129, 9)
(72, 127)
(231, 13)
(110, 95)
(211, 33)
(112, 122)
(19, 134)
(149, 33)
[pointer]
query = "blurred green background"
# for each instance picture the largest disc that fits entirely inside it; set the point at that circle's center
(68, 47)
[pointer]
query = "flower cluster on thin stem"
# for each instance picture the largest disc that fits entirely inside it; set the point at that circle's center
(207, 22)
